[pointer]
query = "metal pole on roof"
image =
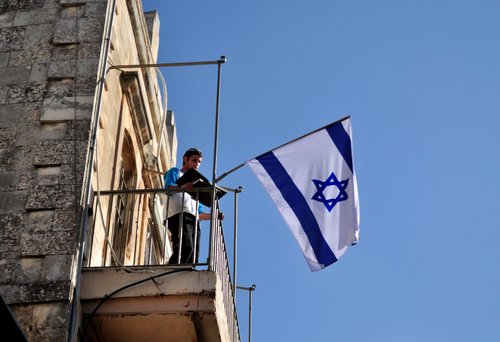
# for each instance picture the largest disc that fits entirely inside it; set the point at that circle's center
(164, 65)
(250, 290)
(221, 61)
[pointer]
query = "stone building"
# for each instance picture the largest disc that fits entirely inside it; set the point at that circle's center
(77, 137)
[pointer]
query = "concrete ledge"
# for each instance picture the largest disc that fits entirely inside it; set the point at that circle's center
(111, 279)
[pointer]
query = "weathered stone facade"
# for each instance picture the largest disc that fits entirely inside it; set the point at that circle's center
(49, 62)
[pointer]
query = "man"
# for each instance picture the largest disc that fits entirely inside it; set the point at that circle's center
(182, 207)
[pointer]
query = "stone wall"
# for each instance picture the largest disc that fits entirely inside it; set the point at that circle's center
(49, 56)
(49, 51)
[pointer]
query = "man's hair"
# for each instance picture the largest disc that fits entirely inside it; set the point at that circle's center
(193, 151)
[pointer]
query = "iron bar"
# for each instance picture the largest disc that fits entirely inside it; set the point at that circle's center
(250, 290)
(221, 61)
(165, 65)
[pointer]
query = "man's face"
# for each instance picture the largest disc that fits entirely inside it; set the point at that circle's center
(192, 162)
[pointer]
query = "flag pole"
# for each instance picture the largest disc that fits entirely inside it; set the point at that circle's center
(303, 136)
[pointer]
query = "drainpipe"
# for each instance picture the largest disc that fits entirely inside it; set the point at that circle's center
(87, 184)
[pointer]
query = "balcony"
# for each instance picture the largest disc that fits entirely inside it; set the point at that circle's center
(130, 291)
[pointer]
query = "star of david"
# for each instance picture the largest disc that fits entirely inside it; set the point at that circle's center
(330, 181)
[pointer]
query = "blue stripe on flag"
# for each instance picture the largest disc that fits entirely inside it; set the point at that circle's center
(298, 203)
(343, 142)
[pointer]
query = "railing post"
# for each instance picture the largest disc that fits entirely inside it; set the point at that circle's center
(221, 61)
(250, 290)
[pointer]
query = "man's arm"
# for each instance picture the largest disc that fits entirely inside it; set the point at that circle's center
(205, 216)
(170, 177)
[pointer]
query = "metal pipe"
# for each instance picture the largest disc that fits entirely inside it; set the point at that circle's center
(235, 232)
(221, 61)
(196, 222)
(180, 231)
(171, 190)
(165, 65)
(235, 239)
(105, 48)
(250, 290)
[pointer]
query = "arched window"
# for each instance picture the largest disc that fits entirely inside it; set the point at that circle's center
(125, 203)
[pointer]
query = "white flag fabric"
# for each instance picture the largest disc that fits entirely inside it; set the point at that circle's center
(313, 183)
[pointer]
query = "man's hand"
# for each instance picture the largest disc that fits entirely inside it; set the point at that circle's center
(187, 187)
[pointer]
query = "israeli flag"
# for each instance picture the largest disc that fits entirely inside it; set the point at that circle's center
(312, 181)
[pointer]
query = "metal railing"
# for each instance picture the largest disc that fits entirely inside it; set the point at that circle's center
(130, 228)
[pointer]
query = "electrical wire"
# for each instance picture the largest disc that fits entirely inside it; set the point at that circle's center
(105, 298)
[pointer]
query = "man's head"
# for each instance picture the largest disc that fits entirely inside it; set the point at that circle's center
(192, 159)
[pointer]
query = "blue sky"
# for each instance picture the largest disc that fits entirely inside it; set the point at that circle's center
(421, 81)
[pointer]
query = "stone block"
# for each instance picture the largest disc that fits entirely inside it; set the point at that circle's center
(9, 180)
(50, 197)
(60, 88)
(12, 201)
(95, 10)
(52, 243)
(50, 316)
(14, 75)
(67, 108)
(78, 129)
(6, 19)
(32, 113)
(9, 115)
(51, 4)
(48, 333)
(10, 224)
(29, 92)
(65, 219)
(48, 175)
(89, 50)
(21, 271)
(65, 31)
(16, 158)
(87, 68)
(21, 18)
(34, 134)
(90, 29)
(54, 153)
(27, 181)
(85, 86)
(20, 5)
(57, 267)
(39, 292)
(7, 135)
(39, 221)
(42, 176)
(38, 73)
(62, 69)
(69, 175)
(29, 57)
(30, 269)
(39, 36)
(64, 52)
(4, 59)
(36, 17)
(10, 246)
(12, 38)
(19, 113)
(3, 94)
